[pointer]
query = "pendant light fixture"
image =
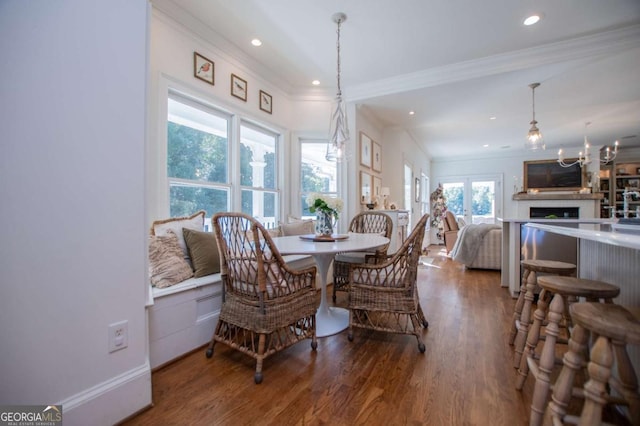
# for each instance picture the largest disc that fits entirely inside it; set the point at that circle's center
(534, 137)
(338, 128)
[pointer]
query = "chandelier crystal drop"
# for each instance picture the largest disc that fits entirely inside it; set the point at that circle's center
(338, 127)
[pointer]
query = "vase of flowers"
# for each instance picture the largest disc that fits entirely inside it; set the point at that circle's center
(326, 209)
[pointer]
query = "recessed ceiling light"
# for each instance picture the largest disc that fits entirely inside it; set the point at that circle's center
(412, 112)
(316, 82)
(533, 19)
(256, 42)
(486, 145)
(492, 117)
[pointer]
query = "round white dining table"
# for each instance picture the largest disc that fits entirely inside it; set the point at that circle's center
(329, 319)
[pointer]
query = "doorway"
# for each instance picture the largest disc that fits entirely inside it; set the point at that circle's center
(474, 199)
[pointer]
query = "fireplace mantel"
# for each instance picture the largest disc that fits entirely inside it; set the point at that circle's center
(556, 196)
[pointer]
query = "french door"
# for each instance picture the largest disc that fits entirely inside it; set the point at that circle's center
(475, 199)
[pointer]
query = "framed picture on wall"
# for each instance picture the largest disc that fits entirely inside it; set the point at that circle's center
(238, 87)
(376, 151)
(203, 68)
(266, 102)
(365, 150)
(377, 184)
(365, 187)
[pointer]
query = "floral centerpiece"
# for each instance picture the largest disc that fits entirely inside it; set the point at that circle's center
(326, 209)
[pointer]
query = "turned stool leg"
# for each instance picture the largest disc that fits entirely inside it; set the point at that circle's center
(595, 390)
(573, 361)
(547, 360)
(518, 309)
(532, 339)
(525, 318)
(627, 382)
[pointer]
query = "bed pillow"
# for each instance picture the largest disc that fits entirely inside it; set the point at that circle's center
(166, 263)
(203, 251)
(175, 224)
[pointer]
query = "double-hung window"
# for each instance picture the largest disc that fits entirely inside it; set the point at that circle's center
(201, 170)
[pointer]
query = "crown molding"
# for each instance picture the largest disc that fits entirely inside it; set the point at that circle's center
(601, 44)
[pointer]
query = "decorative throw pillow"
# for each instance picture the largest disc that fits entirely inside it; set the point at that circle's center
(175, 224)
(297, 228)
(166, 263)
(203, 251)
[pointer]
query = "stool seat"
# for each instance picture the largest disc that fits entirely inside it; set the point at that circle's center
(579, 287)
(549, 266)
(612, 321)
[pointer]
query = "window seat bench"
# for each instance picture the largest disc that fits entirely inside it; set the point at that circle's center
(183, 317)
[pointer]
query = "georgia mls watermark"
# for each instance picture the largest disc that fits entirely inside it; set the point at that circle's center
(30, 415)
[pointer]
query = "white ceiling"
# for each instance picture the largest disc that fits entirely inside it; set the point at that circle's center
(454, 62)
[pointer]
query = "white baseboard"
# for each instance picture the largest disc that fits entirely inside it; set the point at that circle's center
(111, 401)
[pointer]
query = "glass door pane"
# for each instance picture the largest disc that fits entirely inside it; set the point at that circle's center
(483, 202)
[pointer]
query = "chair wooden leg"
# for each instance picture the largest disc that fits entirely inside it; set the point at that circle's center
(595, 390)
(257, 377)
(518, 309)
(573, 361)
(547, 360)
(525, 319)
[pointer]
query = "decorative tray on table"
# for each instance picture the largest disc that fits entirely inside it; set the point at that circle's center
(329, 239)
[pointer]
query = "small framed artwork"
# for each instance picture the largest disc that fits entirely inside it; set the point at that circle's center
(365, 187)
(634, 183)
(377, 157)
(266, 102)
(203, 68)
(638, 171)
(417, 188)
(238, 87)
(365, 150)
(377, 184)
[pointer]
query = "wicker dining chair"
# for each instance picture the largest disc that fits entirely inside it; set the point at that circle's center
(384, 296)
(369, 222)
(266, 306)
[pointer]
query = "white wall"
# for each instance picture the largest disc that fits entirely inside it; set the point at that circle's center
(399, 147)
(511, 167)
(73, 249)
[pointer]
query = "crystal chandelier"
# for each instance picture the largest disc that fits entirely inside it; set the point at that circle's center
(584, 157)
(534, 137)
(338, 128)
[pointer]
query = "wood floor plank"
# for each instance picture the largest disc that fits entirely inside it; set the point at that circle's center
(464, 377)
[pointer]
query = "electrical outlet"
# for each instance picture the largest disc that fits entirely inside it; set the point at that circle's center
(118, 336)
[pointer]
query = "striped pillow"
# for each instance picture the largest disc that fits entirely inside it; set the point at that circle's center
(166, 261)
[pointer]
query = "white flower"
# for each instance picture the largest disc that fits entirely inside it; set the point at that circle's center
(324, 203)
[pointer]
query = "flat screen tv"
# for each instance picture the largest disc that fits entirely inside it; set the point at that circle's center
(548, 175)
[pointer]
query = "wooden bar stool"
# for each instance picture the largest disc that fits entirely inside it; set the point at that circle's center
(564, 289)
(522, 312)
(613, 327)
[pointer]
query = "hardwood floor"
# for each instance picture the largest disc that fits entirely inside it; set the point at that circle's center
(465, 377)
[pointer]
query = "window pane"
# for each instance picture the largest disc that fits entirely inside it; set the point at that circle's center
(186, 200)
(257, 157)
(261, 205)
(316, 173)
